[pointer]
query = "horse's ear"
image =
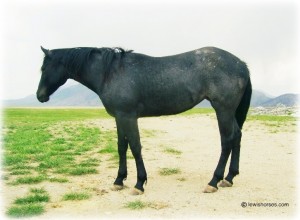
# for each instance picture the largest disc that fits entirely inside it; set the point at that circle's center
(46, 52)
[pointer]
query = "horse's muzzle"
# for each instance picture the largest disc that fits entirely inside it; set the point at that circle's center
(42, 94)
(42, 98)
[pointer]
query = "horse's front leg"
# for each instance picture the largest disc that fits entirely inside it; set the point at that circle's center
(122, 150)
(128, 126)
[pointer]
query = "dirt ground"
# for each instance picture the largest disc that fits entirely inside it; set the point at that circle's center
(267, 175)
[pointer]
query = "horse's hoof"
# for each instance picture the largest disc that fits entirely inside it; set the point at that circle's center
(136, 192)
(210, 189)
(117, 187)
(225, 183)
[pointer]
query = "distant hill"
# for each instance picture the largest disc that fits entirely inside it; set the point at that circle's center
(258, 98)
(286, 99)
(79, 95)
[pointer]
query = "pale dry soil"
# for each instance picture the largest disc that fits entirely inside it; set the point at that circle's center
(267, 174)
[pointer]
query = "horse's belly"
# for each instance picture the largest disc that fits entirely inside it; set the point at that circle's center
(168, 105)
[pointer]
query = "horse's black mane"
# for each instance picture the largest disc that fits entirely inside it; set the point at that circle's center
(75, 59)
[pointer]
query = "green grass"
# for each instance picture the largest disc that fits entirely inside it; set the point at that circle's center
(76, 196)
(136, 205)
(91, 162)
(26, 210)
(276, 123)
(29, 180)
(194, 111)
(169, 171)
(41, 142)
(272, 118)
(52, 115)
(38, 190)
(30, 205)
(36, 198)
(58, 180)
(110, 145)
(20, 172)
(55, 161)
(77, 171)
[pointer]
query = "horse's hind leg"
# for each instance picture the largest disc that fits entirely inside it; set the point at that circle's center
(230, 137)
(234, 166)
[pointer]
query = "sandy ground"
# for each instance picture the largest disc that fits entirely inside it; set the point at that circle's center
(267, 175)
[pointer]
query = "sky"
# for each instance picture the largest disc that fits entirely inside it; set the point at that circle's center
(263, 33)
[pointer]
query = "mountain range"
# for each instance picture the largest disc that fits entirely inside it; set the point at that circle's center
(79, 95)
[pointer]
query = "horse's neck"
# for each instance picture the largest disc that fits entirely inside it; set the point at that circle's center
(91, 79)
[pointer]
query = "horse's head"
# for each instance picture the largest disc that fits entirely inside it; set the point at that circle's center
(54, 74)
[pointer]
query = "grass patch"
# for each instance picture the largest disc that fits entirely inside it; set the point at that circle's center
(29, 180)
(36, 198)
(109, 149)
(76, 196)
(29, 205)
(82, 171)
(38, 190)
(20, 172)
(55, 161)
(136, 205)
(173, 151)
(77, 171)
(169, 171)
(21, 166)
(26, 210)
(58, 180)
(62, 170)
(90, 162)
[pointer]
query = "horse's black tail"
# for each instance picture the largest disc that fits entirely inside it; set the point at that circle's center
(242, 109)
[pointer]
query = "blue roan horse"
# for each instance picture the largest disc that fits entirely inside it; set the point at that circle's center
(133, 85)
